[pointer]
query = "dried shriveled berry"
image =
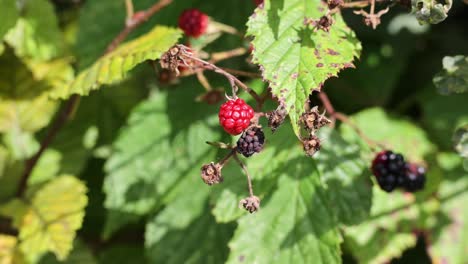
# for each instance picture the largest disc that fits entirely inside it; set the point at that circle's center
(313, 120)
(235, 115)
(311, 145)
(276, 118)
(193, 22)
(211, 173)
(415, 177)
(332, 4)
(325, 23)
(251, 141)
(251, 204)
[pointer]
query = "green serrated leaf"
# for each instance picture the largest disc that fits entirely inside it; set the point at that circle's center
(114, 66)
(281, 148)
(454, 76)
(105, 111)
(294, 225)
(397, 134)
(297, 59)
(146, 168)
(449, 238)
(388, 232)
(56, 212)
(36, 34)
(345, 173)
(9, 15)
(202, 241)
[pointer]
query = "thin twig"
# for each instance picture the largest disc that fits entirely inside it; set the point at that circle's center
(135, 23)
(59, 122)
(223, 55)
(71, 103)
(232, 79)
(345, 119)
(371, 143)
(329, 107)
(203, 81)
(244, 168)
(360, 4)
(130, 11)
(243, 73)
(225, 160)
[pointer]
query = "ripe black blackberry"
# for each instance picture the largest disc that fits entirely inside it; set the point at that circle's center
(415, 177)
(251, 141)
(389, 169)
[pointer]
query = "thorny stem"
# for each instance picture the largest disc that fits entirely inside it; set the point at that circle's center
(244, 168)
(231, 78)
(71, 104)
(225, 160)
(59, 122)
(329, 107)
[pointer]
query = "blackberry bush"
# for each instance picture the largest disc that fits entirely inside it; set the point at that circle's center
(149, 155)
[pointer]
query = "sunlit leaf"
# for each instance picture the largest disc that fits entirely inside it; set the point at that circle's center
(9, 253)
(389, 230)
(114, 66)
(295, 58)
(9, 15)
(294, 225)
(449, 239)
(56, 212)
(36, 34)
(145, 170)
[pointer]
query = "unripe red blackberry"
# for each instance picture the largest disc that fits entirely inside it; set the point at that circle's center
(193, 22)
(389, 169)
(251, 141)
(415, 177)
(235, 115)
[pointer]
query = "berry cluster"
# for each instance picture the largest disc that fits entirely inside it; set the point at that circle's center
(235, 115)
(392, 171)
(193, 22)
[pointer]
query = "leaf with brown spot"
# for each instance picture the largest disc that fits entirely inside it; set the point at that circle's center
(285, 45)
